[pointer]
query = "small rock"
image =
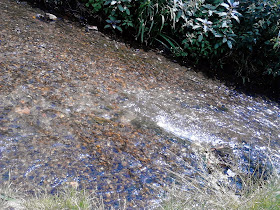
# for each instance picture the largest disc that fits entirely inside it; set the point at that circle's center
(24, 110)
(230, 173)
(222, 108)
(46, 17)
(50, 16)
(89, 27)
(73, 184)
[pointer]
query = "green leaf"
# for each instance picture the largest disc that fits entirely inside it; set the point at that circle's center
(218, 35)
(120, 7)
(179, 14)
(200, 37)
(224, 39)
(236, 18)
(275, 45)
(113, 2)
(217, 45)
(107, 2)
(127, 11)
(151, 27)
(142, 32)
(196, 27)
(141, 26)
(112, 18)
(162, 21)
(229, 43)
(224, 24)
(119, 28)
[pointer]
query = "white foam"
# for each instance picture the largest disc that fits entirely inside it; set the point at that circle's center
(191, 134)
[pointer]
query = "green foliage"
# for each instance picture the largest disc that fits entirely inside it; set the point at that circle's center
(95, 4)
(241, 34)
(113, 23)
(207, 28)
(119, 11)
(172, 45)
(152, 17)
(68, 198)
(258, 37)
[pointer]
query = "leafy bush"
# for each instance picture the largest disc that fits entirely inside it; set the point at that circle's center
(236, 37)
(244, 34)
(118, 10)
(258, 37)
(207, 28)
(116, 13)
(95, 4)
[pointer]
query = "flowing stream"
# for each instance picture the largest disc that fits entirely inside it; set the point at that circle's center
(78, 107)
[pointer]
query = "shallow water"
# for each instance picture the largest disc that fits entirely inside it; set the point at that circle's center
(211, 117)
(80, 107)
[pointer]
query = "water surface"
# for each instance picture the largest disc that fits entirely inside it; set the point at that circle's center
(80, 107)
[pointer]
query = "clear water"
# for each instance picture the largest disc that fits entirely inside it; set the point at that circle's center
(80, 107)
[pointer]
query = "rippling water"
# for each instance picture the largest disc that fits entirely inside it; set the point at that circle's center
(228, 117)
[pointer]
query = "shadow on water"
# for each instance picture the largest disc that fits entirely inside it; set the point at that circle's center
(79, 107)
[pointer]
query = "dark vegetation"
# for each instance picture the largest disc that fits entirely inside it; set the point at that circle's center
(236, 41)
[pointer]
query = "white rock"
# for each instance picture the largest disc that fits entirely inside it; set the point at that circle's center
(92, 28)
(231, 173)
(50, 16)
